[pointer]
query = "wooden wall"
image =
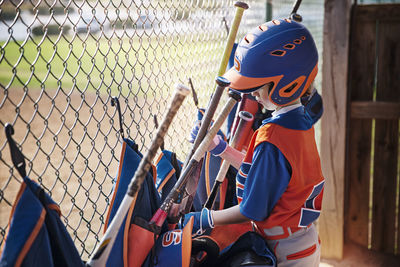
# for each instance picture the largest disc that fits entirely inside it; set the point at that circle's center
(360, 127)
(373, 133)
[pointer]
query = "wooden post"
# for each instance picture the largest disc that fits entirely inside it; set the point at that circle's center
(333, 124)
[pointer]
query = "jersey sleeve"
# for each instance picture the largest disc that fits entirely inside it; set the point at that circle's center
(268, 178)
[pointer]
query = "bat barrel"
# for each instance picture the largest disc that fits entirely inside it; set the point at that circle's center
(240, 8)
(245, 122)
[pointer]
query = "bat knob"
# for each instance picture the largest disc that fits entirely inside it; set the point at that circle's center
(241, 4)
(296, 17)
(235, 95)
(182, 89)
(221, 81)
(245, 115)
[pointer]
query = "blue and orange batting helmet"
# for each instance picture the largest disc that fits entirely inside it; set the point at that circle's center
(281, 52)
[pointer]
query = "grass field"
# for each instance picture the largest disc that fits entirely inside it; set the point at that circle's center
(115, 65)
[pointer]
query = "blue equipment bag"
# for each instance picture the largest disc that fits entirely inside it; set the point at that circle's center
(249, 250)
(37, 236)
(147, 202)
(168, 172)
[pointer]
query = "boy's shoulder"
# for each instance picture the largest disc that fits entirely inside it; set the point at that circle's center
(287, 126)
(296, 119)
(265, 132)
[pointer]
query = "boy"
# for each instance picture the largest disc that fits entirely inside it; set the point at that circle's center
(279, 185)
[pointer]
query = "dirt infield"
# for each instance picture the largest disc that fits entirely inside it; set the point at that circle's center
(73, 149)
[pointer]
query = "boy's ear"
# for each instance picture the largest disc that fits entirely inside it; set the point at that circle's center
(271, 85)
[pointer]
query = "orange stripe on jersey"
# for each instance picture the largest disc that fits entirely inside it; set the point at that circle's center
(239, 185)
(242, 174)
(207, 173)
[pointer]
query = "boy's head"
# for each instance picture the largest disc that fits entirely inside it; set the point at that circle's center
(280, 53)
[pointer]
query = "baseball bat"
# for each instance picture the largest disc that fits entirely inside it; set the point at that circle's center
(214, 101)
(293, 15)
(212, 106)
(160, 216)
(194, 94)
(156, 125)
(245, 123)
(100, 256)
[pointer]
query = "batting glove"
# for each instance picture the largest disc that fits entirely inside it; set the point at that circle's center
(194, 132)
(203, 221)
(218, 144)
(196, 126)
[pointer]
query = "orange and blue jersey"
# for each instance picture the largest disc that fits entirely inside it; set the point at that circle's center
(280, 182)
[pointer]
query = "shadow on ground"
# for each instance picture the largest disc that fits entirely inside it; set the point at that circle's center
(358, 256)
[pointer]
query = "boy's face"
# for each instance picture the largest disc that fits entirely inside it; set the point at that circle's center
(262, 97)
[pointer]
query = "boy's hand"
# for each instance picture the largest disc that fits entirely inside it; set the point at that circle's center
(194, 131)
(203, 221)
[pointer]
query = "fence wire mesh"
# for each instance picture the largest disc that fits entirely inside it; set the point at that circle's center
(61, 62)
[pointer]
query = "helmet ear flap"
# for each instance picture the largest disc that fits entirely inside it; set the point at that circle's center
(292, 88)
(288, 93)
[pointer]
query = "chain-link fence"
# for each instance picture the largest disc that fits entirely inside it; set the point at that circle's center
(61, 62)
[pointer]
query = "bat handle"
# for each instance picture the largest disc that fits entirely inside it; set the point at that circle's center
(293, 15)
(181, 92)
(212, 106)
(213, 195)
(246, 120)
(234, 97)
(222, 83)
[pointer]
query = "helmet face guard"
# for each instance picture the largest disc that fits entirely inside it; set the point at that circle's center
(281, 52)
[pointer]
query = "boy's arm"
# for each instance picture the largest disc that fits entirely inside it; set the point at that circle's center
(231, 215)
(218, 147)
(206, 219)
(233, 156)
